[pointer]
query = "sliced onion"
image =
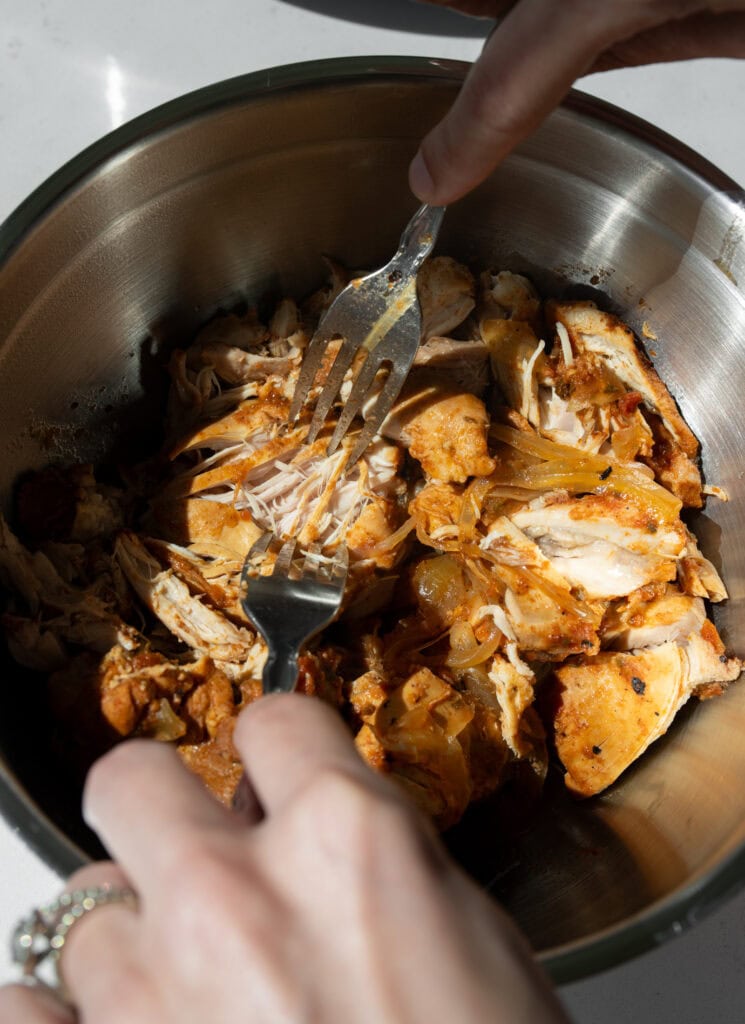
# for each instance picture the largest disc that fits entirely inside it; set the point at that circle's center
(395, 538)
(165, 724)
(476, 654)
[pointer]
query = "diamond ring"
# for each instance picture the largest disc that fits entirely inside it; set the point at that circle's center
(38, 939)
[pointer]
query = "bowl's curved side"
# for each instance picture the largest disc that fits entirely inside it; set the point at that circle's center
(230, 195)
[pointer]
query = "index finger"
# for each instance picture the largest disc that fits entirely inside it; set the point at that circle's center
(287, 740)
(146, 806)
(527, 66)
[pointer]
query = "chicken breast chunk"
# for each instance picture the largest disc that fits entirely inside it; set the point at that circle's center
(611, 707)
(444, 430)
(604, 544)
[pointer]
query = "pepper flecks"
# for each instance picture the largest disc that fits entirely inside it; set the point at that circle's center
(606, 473)
(597, 750)
(639, 686)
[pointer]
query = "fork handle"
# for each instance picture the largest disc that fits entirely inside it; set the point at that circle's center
(419, 237)
(280, 673)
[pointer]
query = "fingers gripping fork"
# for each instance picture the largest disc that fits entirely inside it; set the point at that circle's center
(377, 315)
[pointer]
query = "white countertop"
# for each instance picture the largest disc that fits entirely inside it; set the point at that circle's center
(72, 71)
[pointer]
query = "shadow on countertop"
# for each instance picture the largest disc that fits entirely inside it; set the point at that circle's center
(400, 15)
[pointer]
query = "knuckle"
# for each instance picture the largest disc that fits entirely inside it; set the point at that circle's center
(354, 813)
(121, 760)
(275, 708)
(127, 994)
(205, 873)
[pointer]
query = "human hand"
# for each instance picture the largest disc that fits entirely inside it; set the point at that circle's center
(324, 898)
(530, 61)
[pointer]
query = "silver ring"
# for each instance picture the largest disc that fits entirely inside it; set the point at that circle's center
(38, 940)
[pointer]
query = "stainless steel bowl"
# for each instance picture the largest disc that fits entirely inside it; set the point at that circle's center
(232, 193)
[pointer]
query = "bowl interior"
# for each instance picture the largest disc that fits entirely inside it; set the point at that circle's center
(232, 195)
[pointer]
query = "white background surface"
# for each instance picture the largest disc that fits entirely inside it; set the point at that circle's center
(71, 70)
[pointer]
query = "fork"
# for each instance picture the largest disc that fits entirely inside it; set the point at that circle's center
(377, 314)
(301, 596)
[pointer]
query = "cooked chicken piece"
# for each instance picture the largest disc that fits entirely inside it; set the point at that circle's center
(32, 646)
(515, 353)
(515, 694)
(225, 470)
(68, 505)
(287, 329)
(310, 495)
(252, 425)
(215, 762)
(31, 576)
(69, 560)
(508, 296)
(233, 648)
(444, 430)
(437, 510)
(631, 435)
(446, 292)
(710, 667)
(611, 707)
(215, 579)
(546, 620)
(222, 401)
(604, 544)
(72, 615)
(339, 277)
(142, 691)
(189, 394)
(208, 527)
(431, 767)
(673, 467)
(643, 622)
(236, 366)
(425, 733)
(591, 330)
(243, 332)
(465, 364)
(576, 396)
(697, 576)
(555, 419)
(291, 488)
(367, 693)
(367, 536)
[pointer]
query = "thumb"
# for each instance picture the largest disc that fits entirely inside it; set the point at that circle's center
(525, 69)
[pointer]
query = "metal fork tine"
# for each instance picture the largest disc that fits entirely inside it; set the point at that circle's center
(308, 369)
(284, 558)
(340, 564)
(353, 404)
(382, 310)
(312, 566)
(344, 359)
(261, 545)
(383, 404)
(289, 607)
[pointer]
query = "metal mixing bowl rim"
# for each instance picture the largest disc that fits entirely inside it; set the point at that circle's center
(574, 960)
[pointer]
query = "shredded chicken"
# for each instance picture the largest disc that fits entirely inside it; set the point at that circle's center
(520, 577)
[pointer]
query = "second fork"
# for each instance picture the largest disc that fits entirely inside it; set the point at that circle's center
(379, 315)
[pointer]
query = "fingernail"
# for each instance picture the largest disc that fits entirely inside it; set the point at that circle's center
(420, 180)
